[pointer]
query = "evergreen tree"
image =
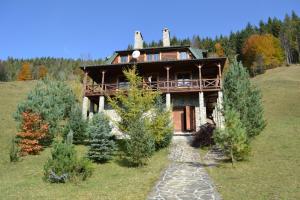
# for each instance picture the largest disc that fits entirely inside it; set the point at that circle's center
(233, 139)
(133, 106)
(140, 146)
(102, 143)
(161, 126)
(52, 100)
(241, 96)
(77, 125)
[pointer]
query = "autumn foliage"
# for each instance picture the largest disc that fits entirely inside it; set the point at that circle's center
(219, 50)
(25, 73)
(262, 50)
(42, 72)
(33, 129)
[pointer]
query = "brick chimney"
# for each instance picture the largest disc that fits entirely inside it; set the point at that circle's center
(166, 37)
(138, 40)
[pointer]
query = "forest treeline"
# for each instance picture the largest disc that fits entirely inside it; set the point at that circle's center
(261, 47)
(271, 43)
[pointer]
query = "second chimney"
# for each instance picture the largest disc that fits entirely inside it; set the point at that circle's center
(138, 40)
(166, 37)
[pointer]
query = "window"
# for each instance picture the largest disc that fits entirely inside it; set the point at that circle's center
(183, 55)
(124, 59)
(149, 57)
(156, 57)
(153, 57)
(183, 80)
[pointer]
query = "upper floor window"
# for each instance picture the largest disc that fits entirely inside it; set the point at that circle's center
(124, 59)
(153, 57)
(183, 55)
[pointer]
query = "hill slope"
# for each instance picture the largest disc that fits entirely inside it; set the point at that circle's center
(273, 170)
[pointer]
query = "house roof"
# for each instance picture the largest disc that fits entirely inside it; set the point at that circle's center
(198, 53)
(221, 60)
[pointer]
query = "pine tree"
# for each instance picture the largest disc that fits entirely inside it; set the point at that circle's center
(241, 96)
(233, 139)
(102, 143)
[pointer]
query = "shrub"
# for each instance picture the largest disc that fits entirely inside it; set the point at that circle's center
(77, 125)
(161, 125)
(233, 139)
(63, 165)
(140, 145)
(33, 130)
(14, 151)
(102, 143)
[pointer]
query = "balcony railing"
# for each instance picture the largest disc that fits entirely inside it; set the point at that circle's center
(184, 85)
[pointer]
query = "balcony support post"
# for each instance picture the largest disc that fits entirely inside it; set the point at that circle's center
(200, 77)
(102, 80)
(220, 75)
(85, 102)
(101, 103)
(91, 113)
(168, 78)
(168, 101)
(202, 109)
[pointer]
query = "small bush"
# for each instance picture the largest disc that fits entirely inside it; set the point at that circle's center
(77, 125)
(102, 144)
(63, 165)
(14, 151)
(140, 145)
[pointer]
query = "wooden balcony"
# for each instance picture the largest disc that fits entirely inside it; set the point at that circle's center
(172, 86)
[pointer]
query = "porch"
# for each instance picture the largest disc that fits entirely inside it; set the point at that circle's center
(172, 86)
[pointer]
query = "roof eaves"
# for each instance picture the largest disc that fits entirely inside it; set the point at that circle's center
(111, 59)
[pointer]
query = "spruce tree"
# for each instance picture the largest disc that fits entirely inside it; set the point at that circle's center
(241, 96)
(233, 139)
(102, 144)
(77, 125)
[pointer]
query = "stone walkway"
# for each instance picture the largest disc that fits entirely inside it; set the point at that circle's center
(185, 178)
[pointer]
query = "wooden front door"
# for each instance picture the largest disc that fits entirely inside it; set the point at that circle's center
(178, 119)
(184, 119)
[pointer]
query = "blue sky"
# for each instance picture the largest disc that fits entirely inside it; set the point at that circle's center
(75, 29)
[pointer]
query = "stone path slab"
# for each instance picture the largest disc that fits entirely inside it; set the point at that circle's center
(185, 178)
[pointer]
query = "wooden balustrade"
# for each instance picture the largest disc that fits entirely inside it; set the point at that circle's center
(186, 85)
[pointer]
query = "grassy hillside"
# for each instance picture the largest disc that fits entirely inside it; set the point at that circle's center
(273, 170)
(23, 180)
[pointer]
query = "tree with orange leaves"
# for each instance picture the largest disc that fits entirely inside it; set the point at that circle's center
(42, 72)
(33, 130)
(219, 50)
(25, 73)
(262, 50)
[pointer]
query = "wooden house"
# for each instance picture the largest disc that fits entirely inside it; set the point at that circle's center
(189, 80)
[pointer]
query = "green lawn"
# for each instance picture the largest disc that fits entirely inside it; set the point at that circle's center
(23, 180)
(273, 170)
